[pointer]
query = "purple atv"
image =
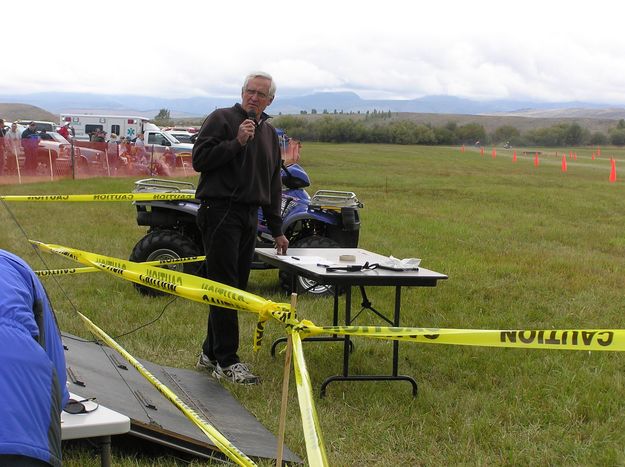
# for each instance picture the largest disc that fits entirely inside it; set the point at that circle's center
(329, 219)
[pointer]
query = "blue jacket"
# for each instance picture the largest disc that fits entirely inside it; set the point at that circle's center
(32, 366)
(30, 139)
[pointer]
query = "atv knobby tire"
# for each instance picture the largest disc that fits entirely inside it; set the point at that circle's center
(165, 244)
(305, 285)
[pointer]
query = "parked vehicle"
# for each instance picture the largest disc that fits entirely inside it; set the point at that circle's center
(187, 129)
(161, 142)
(86, 158)
(55, 148)
(51, 148)
(121, 125)
(40, 125)
(20, 128)
(182, 136)
(330, 219)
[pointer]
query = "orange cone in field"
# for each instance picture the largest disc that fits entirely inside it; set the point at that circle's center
(593, 156)
(563, 163)
(536, 160)
(494, 153)
(514, 156)
(613, 171)
(462, 150)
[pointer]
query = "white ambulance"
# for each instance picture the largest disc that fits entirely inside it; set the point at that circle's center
(85, 124)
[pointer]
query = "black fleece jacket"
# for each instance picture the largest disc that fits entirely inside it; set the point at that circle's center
(247, 174)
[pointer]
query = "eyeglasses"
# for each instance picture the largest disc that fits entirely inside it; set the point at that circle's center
(75, 407)
(259, 94)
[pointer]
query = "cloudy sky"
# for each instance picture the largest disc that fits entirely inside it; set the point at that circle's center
(539, 50)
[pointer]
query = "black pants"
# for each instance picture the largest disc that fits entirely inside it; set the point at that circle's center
(30, 163)
(229, 238)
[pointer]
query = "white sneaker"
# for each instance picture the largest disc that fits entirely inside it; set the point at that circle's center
(237, 373)
(205, 363)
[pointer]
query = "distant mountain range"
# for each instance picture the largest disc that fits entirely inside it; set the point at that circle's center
(57, 102)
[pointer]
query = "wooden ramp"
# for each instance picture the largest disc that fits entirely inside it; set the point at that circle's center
(98, 371)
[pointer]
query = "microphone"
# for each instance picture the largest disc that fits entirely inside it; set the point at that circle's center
(252, 116)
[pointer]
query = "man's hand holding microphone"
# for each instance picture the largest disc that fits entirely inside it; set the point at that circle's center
(247, 128)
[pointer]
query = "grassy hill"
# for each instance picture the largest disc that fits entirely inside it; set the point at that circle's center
(489, 122)
(11, 112)
(599, 122)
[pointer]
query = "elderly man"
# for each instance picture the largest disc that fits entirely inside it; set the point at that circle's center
(238, 157)
(32, 372)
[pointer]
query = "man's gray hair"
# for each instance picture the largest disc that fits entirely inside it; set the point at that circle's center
(261, 74)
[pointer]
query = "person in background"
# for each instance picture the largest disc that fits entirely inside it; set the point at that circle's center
(33, 386)
(238, 156)
(99, 137)
(140, 153)
(12, 145)
(112, 151)
(2, 145)
(64, 131)
(30, 142)
(169, 158)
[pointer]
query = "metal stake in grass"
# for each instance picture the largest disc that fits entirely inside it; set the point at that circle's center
(285, 387)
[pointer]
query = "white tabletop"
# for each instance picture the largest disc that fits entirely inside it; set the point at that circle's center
(312, 262)
(101, 422)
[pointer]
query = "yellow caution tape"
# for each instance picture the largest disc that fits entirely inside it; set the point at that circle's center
(160, 262)
(315, 450)
(177, 283)
(213, 434)
(102, 197)
(259, 332)
(554, 339)
(65, 271)
(206, 291)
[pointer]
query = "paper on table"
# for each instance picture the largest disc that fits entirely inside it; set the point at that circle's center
(303, 259)
(397, 264)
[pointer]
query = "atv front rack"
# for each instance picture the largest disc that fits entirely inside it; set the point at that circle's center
(330, 199)
(160, 185)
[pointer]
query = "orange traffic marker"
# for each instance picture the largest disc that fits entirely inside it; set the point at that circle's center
(536, 160)
(613, 171)
(514, 156)
(563, 163)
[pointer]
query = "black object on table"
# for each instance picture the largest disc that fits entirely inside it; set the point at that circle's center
(311, 263)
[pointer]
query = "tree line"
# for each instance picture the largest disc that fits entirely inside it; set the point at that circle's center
(334, 129)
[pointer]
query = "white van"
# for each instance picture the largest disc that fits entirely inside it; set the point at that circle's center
(41, 124)
(85, 124)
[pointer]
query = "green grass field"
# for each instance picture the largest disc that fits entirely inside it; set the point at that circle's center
(524, 247)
